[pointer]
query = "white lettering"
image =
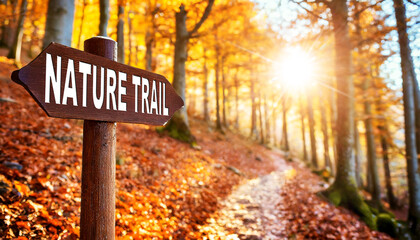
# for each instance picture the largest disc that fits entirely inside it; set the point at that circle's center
(70, 92)
(98, 101)
(145, 95)
(54, 79)
(122, 106)
(153, 103)
(165, 109)
(110, 89)
(85, 69)
(136, 81)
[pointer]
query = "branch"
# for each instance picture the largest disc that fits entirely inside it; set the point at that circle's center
(414, 3)
(309, 11)
(367, 7)
(203, 18)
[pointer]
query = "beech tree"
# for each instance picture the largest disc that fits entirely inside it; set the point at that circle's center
(104, 17)
(410, 87)
(59, 25)
(178, 126)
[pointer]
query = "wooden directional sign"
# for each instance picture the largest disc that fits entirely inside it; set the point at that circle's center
(69, 83)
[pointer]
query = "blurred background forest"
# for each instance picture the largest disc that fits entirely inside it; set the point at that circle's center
(320, 80)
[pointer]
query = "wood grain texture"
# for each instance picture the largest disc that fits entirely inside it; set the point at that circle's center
(33, 77)
(97, 218)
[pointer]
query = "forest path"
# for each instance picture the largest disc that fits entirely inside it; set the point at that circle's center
(251, 211)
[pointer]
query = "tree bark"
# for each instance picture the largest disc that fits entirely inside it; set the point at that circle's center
(358, 156)
(262, 140)
(392, 200)
(130, 36)
(82, 19)
(253, 104)
(302, 124)
(267, 121)
(217, 74)
(104, 17)
(324, 128)
(206, 90)
(59, 25)
(178, 126)
(409, 81)
(285, 137)
(16, 48)
(236, 100)
(371, 148)
(344, 190)
(311, 121)
(120, 34)
(224, 98)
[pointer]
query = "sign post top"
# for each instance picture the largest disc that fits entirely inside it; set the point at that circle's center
(69, 83)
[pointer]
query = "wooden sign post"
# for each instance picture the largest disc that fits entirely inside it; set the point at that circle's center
(90, 85)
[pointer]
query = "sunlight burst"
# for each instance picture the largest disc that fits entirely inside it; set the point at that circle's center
(295, 70)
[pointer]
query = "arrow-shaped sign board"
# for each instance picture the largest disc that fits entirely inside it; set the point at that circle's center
(69, 83)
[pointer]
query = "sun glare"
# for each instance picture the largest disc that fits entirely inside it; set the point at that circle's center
(295, 70)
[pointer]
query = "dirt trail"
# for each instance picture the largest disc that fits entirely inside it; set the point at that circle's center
(251, 212)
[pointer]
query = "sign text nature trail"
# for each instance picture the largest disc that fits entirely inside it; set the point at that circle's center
(68, 83)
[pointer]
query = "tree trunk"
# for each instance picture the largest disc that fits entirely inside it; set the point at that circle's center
(59, 25)
(302, 124)
(216, 72)
(206, 90)
(262, 140)
(409, 81)
(383, 129)
(371, 148)
(16, 48)
(324, 128)
(178, 126)
(358, 156)
(224, 92)
(311, 121)
(333, 121)
(344, 190)
(253, 104)
(82, 19)
(267, 121)
(104, 17)
(236, 100)
(120, 33)
(285, 137)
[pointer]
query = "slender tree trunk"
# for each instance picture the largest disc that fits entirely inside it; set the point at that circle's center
(358, 155)
(383, 129)
(302, 124)
(267, 121)
(262, 140)
(206, 90)
(104, 17)
(311, 121)
(178, 126)
(333, 121)
(216, 72)
(409, 82)
(224, 92)
(82, 20)
(285, 136)
(120, 33)
(371, 148)
(236, 100)
(324, 128)
(344, 190)
(253, 104)
(16, 49)
(59, 24)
